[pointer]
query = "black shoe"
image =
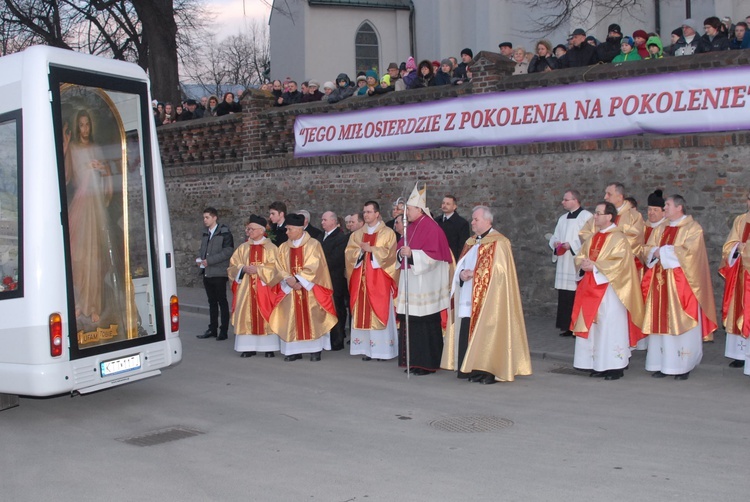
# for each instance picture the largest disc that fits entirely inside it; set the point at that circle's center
(421, 372)
(207, 334)
(683, 376)
(475, 377)
(293, 357)
(270, 354)
(597, 374)
(337, 348)
(566, 333)
(315, 356)
(488, 379)
(658, 374)
(222, 337)
(737, 364)
(463, 376)
(614, 375)
(248, 354)
(366, 358)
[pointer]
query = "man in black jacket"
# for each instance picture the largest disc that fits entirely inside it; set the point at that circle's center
(581, 54)
(290, 97)
(455, 227)
(217, 246)
(607, 50)
(334, 243)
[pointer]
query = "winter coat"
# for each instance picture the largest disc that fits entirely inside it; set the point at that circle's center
(539, 64)
(720, 42)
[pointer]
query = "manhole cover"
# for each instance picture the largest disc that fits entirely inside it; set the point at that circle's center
(567, 370)
(161, 436)
(471, 424)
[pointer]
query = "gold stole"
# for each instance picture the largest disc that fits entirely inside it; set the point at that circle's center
(482, 276)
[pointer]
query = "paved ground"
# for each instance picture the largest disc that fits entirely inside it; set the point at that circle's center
(346, 430)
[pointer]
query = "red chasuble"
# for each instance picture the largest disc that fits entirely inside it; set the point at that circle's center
(371, 290)
(589, 294)
(737, 292)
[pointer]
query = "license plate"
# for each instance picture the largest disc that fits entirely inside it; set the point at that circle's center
(122, 365)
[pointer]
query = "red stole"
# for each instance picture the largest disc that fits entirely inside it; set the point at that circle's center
(589, 294)
(737, 292)
(257, 321)
(300, 297)
(371, 290)
(649, 230)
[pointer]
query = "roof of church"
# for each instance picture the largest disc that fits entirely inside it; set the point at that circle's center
(373, 4)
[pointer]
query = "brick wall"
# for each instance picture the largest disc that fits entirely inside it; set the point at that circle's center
(241, 163)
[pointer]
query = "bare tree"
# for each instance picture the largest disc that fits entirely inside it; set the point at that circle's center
(241, 59)
(141, 31)
(561, 12)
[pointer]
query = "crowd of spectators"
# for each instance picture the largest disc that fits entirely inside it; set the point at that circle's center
(209, 106)
(579, 50)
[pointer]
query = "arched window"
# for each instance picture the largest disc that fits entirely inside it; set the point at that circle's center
(366, 50)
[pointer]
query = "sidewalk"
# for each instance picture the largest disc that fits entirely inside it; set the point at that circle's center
(544, 341)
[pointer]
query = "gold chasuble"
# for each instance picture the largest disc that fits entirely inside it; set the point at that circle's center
(372, 290)
(497, 332)
(736, 300)
(253, 299)
(610, 250)
(672, 297)
(628, 220)
(303, 315)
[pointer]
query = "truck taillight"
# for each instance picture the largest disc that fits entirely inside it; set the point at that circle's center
(174, 313)
(55, 335)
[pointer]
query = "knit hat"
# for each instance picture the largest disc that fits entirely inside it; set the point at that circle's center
(627, 40)
(386, 78)
(371, 73)
(692, 24)
(468, 52)
(411, 64)
(615, 28)
(329, 85)
(678, 32)
(656, 199)
(313, 83)
(640, 33)
(446, 61)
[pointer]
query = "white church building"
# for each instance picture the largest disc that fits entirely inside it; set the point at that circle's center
(318, 39)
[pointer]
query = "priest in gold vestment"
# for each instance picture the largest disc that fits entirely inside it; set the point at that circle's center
(371, 271)
(491, 344)
(303, 312)
(680, 311)
(607, 297)
(252, 269)
(735, 309)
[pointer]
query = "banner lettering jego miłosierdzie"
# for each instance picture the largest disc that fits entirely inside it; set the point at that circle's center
(695, 101)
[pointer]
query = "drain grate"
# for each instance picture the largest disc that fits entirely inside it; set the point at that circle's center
(471, 424)
(161, 436)
(567, 370)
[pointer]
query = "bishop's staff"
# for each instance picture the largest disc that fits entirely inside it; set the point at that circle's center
(404, 268)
